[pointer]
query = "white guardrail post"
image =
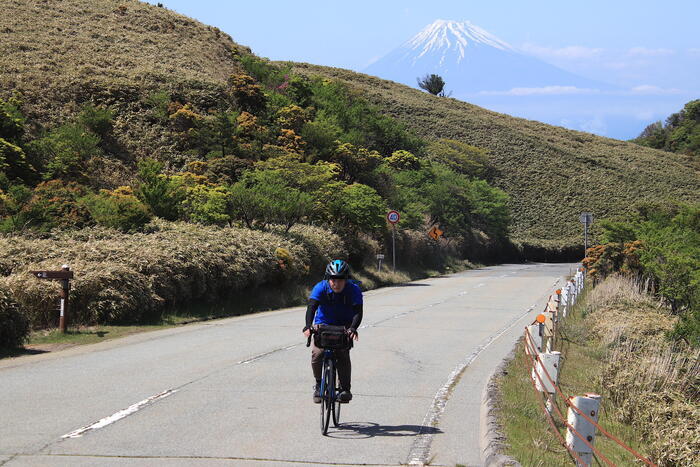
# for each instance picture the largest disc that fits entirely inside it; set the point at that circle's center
(547, 361)
(536, 333)
(588, 404)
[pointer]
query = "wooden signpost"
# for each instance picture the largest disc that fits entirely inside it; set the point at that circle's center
(64, 275)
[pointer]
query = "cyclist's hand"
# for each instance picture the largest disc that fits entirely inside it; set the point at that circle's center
(353, 334)
(307, 332)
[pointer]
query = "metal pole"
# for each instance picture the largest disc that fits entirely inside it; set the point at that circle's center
(393, 245)
(585, 237)
(65, 293)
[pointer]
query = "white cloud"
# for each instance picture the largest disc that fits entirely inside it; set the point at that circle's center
(596, 125)
(543, 91)
(694, 51)
(649, 89)
(647, 52)
(572, 52)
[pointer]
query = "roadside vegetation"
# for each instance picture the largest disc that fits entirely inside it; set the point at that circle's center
(613, 344)
(634, 338)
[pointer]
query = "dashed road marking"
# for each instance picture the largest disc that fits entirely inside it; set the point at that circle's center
(119, 415)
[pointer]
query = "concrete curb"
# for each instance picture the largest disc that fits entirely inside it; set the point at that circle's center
(491, 437)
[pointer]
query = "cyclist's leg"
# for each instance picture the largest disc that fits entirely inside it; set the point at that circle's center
(316, 361)
(317, 367)
(344, 368)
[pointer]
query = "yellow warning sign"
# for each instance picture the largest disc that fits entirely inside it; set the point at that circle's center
(435, 233)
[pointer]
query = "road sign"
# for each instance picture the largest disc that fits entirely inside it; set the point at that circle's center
(380, 256)
(586, 218)
(53, 274)
(435, 233)
(393, 216)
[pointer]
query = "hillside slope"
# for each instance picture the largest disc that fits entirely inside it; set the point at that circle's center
(61, 54)
(552, 174)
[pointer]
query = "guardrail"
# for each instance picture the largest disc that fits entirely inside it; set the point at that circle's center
(542, 362)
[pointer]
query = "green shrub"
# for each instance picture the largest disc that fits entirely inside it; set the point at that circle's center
(158, 191)
(262, 198)
(96, 119)
(118, 209)
(207, 205)
(14, 326)
(358, 208)
(13, 162)
(67, 148)
(54, 204)
(11, 120)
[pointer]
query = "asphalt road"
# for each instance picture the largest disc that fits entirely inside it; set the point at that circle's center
(238, 391)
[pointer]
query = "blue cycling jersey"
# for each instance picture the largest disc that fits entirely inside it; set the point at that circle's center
(336, 308)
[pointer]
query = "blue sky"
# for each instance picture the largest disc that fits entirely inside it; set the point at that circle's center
(645, 45)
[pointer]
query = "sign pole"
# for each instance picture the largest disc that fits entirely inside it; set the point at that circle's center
(65, 293)
(393, 217)
(586, 219)
(393, 245)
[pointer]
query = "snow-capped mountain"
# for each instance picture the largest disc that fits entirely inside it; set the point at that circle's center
(471, 61)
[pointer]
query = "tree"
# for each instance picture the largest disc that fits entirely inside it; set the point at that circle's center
(158, 191)
(434, 84)
(264, 197)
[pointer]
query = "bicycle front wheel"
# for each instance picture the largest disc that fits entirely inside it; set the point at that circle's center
(326, 395)
(335, 399)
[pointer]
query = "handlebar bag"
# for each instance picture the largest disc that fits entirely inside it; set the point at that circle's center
(331, 337)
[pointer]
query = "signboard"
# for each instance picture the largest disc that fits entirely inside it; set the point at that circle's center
(435, 233)
(380, 256)
(53, 274)
(393, 216)
(586, 218)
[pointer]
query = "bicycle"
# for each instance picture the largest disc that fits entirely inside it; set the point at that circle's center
(328, 390)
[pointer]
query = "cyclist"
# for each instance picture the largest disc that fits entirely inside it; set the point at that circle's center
(334, 301)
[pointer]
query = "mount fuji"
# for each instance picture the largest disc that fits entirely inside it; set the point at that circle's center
(472, 61)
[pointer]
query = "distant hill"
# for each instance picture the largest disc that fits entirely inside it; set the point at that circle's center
(60, 55)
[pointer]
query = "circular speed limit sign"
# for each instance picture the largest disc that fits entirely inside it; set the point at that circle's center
(393, 216)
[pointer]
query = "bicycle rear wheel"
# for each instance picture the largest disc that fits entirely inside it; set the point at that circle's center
(326, 395)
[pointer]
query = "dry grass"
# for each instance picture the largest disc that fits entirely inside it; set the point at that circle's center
(133, 277)
(613, 344)
(51, 41)
(652, 384)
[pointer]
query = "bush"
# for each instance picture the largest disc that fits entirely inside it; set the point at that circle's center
(158, 191)
(207, 205)
(118, 209)
(14, 326)
(13, 162)
(358, 208)
(54, 204)
(67, 148)
(96, 119)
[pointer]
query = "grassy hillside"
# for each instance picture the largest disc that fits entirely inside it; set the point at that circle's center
(60, 55)
(552, 174)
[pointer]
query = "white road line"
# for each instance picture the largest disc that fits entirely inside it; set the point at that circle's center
(119, 415)
(420, 451)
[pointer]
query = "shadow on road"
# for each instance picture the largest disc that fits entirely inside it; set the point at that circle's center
(5, 353)
(355, 430)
